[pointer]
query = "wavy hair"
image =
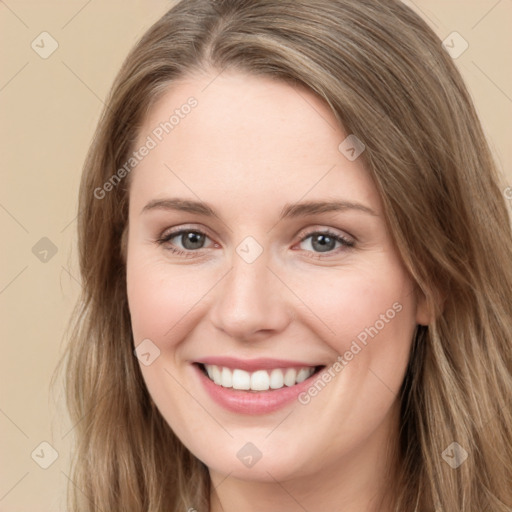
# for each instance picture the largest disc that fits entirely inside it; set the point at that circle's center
(387, 79)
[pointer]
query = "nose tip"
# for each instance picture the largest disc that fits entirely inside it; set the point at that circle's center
(250, 301)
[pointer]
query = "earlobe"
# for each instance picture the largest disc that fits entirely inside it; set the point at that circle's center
(427, 311)
(424, 313)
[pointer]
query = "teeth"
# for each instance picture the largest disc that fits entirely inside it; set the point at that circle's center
(302, 375)
(276, 379)
(216, 375)
(241, 379)
(226, 378)
(260, 380)
(290, 376)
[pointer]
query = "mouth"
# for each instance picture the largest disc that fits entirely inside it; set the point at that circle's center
(260, 380)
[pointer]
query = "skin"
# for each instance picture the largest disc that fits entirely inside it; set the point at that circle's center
(251, 146)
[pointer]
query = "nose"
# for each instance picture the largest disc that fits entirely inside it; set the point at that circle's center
(251, 301)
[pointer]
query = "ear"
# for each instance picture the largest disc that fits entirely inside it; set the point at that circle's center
(427, 311)
(423, 314)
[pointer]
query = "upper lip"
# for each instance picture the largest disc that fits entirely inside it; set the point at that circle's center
(250, 365)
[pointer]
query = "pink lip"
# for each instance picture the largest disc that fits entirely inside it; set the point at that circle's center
(251, 402)
(251, 365)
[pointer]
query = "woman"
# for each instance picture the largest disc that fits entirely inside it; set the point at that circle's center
(296, 272)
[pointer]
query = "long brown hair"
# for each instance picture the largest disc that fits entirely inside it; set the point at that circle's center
(387, 79)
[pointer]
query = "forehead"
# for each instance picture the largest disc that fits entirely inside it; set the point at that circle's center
(248, 136)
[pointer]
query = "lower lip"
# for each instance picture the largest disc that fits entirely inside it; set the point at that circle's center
(250, 402)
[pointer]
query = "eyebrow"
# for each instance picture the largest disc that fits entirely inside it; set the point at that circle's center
(292, 210)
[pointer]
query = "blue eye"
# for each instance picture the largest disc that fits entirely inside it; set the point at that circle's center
(191, 240)
(187, 241)
(326, 241)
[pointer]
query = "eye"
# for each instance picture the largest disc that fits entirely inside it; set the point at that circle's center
(186, 240)
(325, 242)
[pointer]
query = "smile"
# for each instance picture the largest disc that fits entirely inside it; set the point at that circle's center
(259, 380)
(254, 387)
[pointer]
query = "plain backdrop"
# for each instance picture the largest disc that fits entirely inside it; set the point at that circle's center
(49, 108)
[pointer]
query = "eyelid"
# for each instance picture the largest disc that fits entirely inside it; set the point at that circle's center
(170, 233)
(304, 233)
(347, 241)
(173, 231)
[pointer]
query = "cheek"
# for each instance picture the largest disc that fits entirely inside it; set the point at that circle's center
(357, 310)
(162, 298)
(164, 302)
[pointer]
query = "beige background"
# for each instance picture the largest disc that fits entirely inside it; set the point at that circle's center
(49, 110)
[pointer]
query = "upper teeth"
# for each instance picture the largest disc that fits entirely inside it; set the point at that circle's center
(260, 380)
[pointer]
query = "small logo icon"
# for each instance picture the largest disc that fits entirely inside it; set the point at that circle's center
(45, 250)
(249, 455)
(351, 147)
(455, 455)
(249, 249)
(44, 455)
(455, 45)
(147, 352)
(44, 45)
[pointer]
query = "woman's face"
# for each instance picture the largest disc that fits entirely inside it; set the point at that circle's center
(257, 246)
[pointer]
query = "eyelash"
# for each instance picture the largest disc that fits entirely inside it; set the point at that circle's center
(344, 241)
